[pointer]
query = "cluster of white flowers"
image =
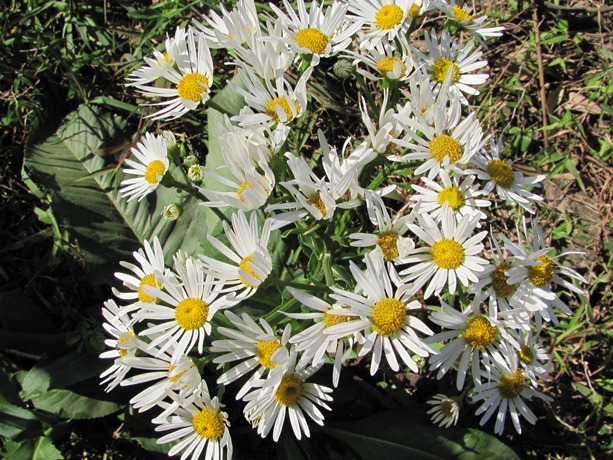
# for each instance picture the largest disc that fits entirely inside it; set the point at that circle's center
(418, 120)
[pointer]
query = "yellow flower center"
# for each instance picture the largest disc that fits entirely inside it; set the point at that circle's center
(501, 172)
(387, 316)
(499, 281)
(154, 172)
(264, 350)
(526, 354)
(316, 201)
(445, 146)
(460, 15)
(479, 333)
(313, 40)
(191, 313)
(511, 387)
(290, 390)
(175, 378)
(148, 280)
(452, 196)
(271, 110)
(387, 63)
(122, 351)
(388, 17)
(541, 273)
(332, 320)
(447, 254)
(388, 242)
(440, 69)
(192, 86)
(447, 408)
(244, 265)
(414, 10)
(209, 424)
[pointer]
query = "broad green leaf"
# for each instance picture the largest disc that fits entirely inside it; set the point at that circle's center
(15, 421)
(61, 372)
(151, 445)
(67, 404)
(401, 434)
(40, 448)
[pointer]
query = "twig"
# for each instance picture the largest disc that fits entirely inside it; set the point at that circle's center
(539, 59)
(578, 9)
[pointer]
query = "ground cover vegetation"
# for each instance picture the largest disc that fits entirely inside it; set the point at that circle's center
(66, 106)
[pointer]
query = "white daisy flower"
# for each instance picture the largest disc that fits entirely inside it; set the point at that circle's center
(382, 132)
(287, 394)
(124, 343)
(250, 262)
(313, 195)
(152, 155)
(462, 198)
(246, 158)
(445, 412)
(231, 28)
(389, 238)
(506, 391)
(448, 143)
(461, 16)
(386, 61)
(533, 356)
(385, 19)
(197, 424)
(150, 260)
(257, 347)
(500, 175)
(177, 375)
(313, 343)
(186, 307)
(445, 56)
(155, 68)
(449, 254)
(190, 79)
(535, 271)
(473, 341)
(273, 101)
(316, 32)
(382, 304)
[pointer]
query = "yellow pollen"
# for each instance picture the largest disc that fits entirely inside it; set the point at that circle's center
(460, 15)
(388, 316)
(501, 172)
(445, 146)
(414, 10)
(264, 350)
(332, 320)
(388, 242)
(499, 281)
(154, 172)
(242, 189)
(541, 273)
(148, 280)
(511, 387)
(316, 201)
(271, 110)
(191, 313)
(244, 265)
(209, 424)
(192, 86)
(122, 351)
(440, 69)
(479, 333)
(387, 63)
(452, 196)
(313, 40)
(388, 17)
(290, 390)
(175, 378)
(447, 254)
(526, 354)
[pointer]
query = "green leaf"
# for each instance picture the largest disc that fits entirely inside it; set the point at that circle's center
(41, 448)
(151, 445)
(44, 449)
(402, 434)
(61, 372)
(67, 404)
(15, 421)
